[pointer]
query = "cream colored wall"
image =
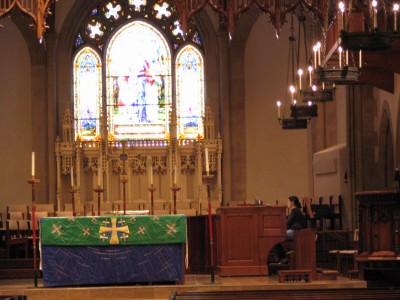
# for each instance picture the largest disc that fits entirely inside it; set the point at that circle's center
(278, 161)
(341, 99)
(15, 117)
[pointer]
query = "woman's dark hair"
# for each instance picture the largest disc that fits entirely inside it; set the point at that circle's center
(295, 201)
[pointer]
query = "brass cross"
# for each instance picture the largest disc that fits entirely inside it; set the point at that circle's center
(114, 231)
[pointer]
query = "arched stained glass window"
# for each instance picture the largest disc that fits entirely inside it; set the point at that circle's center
(87, 94)
(136, 41)
(190, 92)
(138, 82)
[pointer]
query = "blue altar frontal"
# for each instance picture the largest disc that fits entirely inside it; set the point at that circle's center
(112, 250)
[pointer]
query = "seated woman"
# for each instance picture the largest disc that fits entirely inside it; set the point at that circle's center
(295, 221)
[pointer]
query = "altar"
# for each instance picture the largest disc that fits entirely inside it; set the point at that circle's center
(112, 249)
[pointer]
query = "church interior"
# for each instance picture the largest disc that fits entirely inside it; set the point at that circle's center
(178, 129)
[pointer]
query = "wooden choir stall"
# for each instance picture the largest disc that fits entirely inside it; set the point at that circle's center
(379, 221)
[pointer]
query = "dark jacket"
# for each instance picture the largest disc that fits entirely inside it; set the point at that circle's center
(295, 219)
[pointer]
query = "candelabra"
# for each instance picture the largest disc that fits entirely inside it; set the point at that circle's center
(34, 182)
(152, 189)
(99, 190)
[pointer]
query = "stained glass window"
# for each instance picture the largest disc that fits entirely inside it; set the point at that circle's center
(190, 92)
(135, 40)
(87, 93)
(138, 82)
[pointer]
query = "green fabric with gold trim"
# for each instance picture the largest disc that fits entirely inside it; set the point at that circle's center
(113, 230)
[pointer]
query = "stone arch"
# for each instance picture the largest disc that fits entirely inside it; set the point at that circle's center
(234, 138)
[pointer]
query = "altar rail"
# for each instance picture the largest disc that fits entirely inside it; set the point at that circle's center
(324, 294)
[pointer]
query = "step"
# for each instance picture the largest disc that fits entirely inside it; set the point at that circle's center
(327, 274)
(18, 273)
(18, 263)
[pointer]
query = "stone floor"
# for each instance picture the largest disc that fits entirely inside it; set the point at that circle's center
(9, 287)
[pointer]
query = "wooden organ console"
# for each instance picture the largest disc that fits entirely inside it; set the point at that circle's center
(245, 236)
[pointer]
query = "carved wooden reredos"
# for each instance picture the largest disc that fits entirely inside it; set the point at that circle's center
(85, 159)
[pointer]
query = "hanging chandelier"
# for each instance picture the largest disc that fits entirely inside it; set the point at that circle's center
(373, 38)
(38, 10)
(300, 115)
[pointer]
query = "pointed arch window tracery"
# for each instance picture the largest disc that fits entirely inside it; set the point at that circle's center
(143, 59)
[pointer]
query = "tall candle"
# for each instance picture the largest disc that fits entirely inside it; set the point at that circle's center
(319, 53)
(347, 57)
(206, 158)
(278, 103)
(310, 73)
(72, 176)
(374, 5)
(99, 175)
(315, 56)
(151, 174)
(341, 7)
(340, 57)
(33, 165)
(360, 59)
(396, 9)
(175, 175)
(300, 72)
(292, 90)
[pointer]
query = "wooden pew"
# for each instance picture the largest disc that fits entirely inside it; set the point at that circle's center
(320, 294)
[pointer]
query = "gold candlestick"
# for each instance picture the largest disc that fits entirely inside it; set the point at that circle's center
(124, 179)
(34, 182)
(73, 191)
(152, 189)
(174, 189)
(99, 190)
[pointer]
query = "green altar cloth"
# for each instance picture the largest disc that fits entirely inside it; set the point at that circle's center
(113, 230)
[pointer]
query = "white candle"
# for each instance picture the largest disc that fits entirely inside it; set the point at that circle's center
(310, 73)
(278, 103)
(151, 174)
(206, 158)
(340, 57)
(99, 175)
(175, 175)
(292, 90)
(319, 53)
(315, 56)
(341, 7)
(300, 72)
(33, 165)
(360, 59)
(374, 5)
(396, 9)
(347, 57)
(72, 176)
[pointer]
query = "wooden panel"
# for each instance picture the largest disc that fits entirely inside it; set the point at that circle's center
(271, 222)
(246, 235)
(241, 246)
